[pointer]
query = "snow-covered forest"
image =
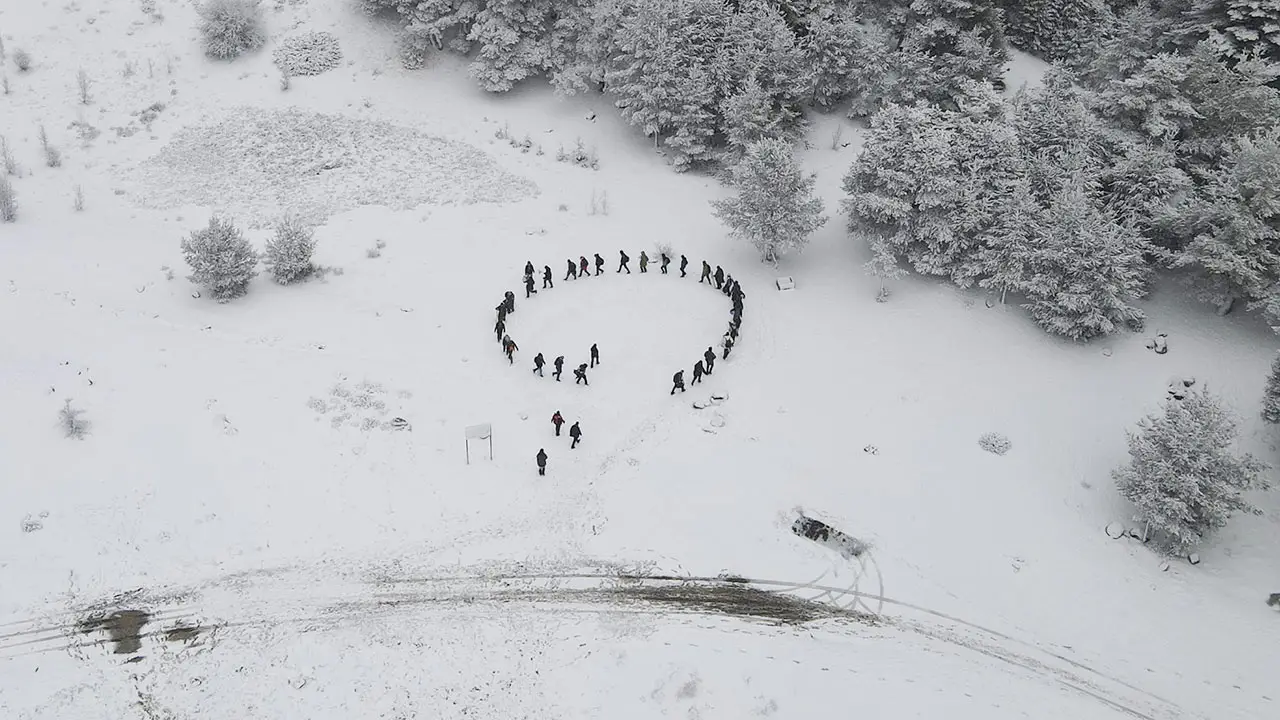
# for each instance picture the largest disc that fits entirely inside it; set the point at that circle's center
(1153, 145)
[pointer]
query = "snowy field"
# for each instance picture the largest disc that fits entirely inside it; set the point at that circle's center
(298, 557)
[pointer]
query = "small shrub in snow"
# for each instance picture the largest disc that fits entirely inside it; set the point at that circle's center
(376, 250)
(8, 200)
(72, 424)
(288, 254)
(4, 83)
(22, 59)
(83, 83)
(221, 259)
(231, 27)
(6, 158)
(77, 199)
(52, 155)
(1271, 393)
(994, 443)
(1182, 475)
(414, 50)
(599, 203)
(309, 53)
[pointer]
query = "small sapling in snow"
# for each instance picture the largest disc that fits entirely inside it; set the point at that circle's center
(288, 254)
(8, 200)
(73, 425)
(77, 198)
(83, 83)
(221, 259)
(22, 59)
(52, 155)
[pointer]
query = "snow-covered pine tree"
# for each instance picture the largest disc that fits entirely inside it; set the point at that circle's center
(221, 259)
(1231, 227)
(1141, 182)
(580, 42)
(904, 188)
(288, 254)
(1271, 393)
(1086, 269)
(831, 50)
(1056, 30)
(880, 69)
(231, 27)
(775, 208)
(1237, 29)
(1135, 37)
(693, 120)
(73, 425)
(750, 115)
(755, 43)
(1007, 244)
(512, 38)
(1182, 475)
(883, 265)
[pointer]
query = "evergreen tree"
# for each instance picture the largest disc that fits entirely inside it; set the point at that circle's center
(1140, 184)
(1137, 35)
(1231, 227)
(1007, 245)
(1182, 475)
(1271, 394)
(288, 254)
(904, 188)
(1238, 30)
(221, 259)
(751, 115)
(512, 38)
(1086, 269)
(775, 207)
(832, 48)
(1056, 30)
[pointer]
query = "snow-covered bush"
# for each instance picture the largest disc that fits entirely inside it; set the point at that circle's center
(775, 207)
(221, 259)
(52, 155)
(8, 200)
(994, 443)
(231, 27)
(22, 59)
(72, 424)
(309, 53)
(1271, 393)
(288, 254)
(1182, 476)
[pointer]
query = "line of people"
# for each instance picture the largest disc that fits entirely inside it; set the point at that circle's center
(730, 287)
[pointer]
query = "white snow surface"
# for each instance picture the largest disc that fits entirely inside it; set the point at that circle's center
(349, 570)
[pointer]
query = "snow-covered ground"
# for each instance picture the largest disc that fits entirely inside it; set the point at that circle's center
(230, 476)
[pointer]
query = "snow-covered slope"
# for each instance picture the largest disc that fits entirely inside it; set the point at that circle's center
(230, 440)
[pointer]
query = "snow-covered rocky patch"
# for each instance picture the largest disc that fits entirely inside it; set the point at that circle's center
(260, 164)
(309, 53)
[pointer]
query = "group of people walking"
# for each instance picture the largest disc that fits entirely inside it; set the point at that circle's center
(727, 285)
(582, 268)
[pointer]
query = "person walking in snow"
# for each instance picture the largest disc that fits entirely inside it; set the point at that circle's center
(542, 461)
(623, 259)
(572, 272)
(697, 373)
(728, 347)
(546, 277)
(719, 276)
(684, 263)
(599, 264)
(665, 262)
(559, 363)
(511, 349)
(677, 382)
(728, 286)
(644, 262)
(710, 357)
(584, 268)
(499, 329)
(528, 268)
(538, 363)
(580, 375)
(595, 355)
(528, 287)
(557, 420)
(575, 433)
(511, 302)
(706, 273)
(502, 310)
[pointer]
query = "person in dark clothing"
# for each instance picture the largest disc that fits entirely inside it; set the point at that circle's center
(546, 277)
(599, 264)
(528, 267)
(511, 351)
(557, 420)
(728, 346)
(684, 263)
(623, 259)
(500, 328)
(542, 462)
(580, 375)
(511, 302)
(706, 273)
(728, 286)
(559, 364)
(502, 310)
(595, 355)
(677, 382)
(528, 287)
(584, 268)
(719, 277)
(710, 357)
(644, 262)
(572, 272)
(697, 373)
(665, 262)
(575, 432)
(538, 363)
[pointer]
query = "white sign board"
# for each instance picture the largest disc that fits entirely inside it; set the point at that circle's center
(479, 432)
